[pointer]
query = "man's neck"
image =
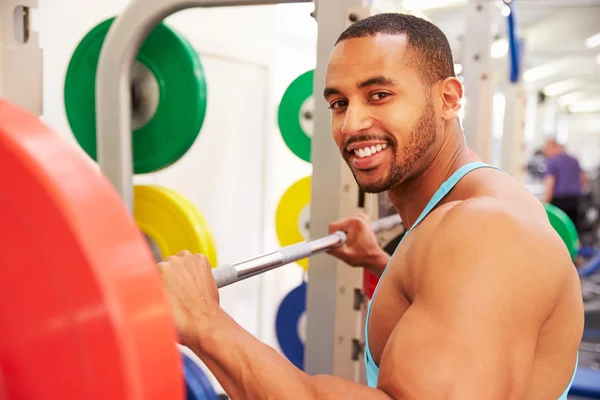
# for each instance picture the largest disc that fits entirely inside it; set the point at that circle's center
(412, 195)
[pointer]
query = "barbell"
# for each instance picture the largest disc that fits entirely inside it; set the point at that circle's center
(230, 273)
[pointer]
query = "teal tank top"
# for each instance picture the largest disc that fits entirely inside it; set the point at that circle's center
(370, 366)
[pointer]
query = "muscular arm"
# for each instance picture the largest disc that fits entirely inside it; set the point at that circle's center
(470, 332)
(480, 300)
(249, 369)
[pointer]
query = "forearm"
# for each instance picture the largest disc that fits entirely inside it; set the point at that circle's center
(378, 262)
(249, 369)
(548, 189)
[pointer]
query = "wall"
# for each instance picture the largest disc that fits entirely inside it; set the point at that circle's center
(250, 55)
(583, 138)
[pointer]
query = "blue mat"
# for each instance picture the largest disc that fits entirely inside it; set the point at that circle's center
(586, 383)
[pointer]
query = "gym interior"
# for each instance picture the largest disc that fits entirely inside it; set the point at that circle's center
(193, 123)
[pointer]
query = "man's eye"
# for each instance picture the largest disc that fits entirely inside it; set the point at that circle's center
(379, 95)
(338, 104)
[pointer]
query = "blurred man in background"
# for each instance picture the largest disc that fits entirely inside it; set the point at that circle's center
(564, 180)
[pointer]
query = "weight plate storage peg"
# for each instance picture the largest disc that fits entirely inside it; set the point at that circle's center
(84, 315)
(168, 92)
(172, 223)
(296, 115)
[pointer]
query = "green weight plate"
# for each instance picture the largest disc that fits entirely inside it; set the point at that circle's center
(178, 79)
(565, 228)
(290, 114)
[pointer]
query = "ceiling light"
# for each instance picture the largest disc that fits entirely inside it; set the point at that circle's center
(458, 69)
(561, 87)
(545, 70)
(592, 105)
(593, 41)
(571, 98)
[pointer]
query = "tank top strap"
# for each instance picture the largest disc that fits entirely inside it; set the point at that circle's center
(447, 186)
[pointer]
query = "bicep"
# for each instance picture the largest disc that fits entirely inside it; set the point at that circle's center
(472, 328)
(433, 354)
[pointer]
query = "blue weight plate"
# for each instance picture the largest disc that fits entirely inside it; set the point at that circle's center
(197, 385)
(286, 325)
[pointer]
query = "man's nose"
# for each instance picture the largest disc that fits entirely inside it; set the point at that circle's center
(356, 120)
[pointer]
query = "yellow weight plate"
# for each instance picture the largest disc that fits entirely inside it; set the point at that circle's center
(293, 215)
(208, 242)
(172, 222)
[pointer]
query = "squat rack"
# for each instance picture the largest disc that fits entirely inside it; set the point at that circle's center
(334, 323)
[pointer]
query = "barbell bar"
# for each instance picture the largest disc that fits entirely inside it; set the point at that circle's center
(231, 273)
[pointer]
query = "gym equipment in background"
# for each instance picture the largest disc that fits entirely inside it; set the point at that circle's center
(168, 110)
(83, 298)
(168, 96)
(288, 325)
(84, 312)
(197, 385)
(296, 115)
(172, 223)
(293, 215)
(565, 228)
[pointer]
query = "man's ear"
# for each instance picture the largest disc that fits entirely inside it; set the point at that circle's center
(451, 91)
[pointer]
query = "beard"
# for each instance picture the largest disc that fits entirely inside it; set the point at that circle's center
(420, 139)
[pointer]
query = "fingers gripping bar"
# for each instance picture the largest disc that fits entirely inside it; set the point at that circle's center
(231, 273)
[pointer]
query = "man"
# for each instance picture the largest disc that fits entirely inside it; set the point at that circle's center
(479, 301)
(563, 180)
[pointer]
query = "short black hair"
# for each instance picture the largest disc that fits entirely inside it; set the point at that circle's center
(433, 56)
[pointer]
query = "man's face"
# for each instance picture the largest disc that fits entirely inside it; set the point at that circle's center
(551, 149)
(383, 116)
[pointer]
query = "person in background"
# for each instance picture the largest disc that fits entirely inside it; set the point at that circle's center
(564, 180)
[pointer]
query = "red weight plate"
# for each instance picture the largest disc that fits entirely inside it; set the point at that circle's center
(83, 315)
(369, 283)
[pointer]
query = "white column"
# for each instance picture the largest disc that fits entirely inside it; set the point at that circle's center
(479, 83)
(20, 56)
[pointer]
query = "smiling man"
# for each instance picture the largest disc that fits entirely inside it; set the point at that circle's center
(480, 299)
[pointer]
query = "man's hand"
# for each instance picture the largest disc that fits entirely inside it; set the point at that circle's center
(191, 291)
(245, 367)
(361, 248)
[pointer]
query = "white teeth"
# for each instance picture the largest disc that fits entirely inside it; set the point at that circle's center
(368, 151)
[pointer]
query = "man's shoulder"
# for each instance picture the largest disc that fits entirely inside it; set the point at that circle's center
(489, 233)
(483, 214)
(482, 244)
(561, 158)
